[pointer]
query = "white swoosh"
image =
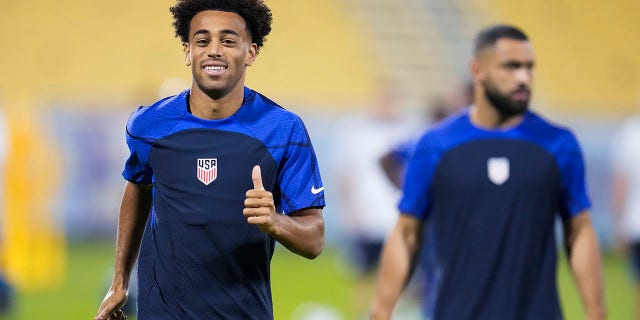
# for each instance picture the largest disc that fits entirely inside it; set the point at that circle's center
(316, 191)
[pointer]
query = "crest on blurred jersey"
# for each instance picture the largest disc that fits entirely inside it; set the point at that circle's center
(207, 170)
(498, 170)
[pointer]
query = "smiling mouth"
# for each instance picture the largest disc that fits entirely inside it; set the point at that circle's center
(214, 69)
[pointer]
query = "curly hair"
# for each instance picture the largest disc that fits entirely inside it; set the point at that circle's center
(256, 14)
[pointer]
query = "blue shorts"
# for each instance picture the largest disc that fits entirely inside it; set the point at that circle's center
(634, 256)
(366, 254)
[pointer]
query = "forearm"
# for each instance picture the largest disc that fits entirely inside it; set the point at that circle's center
(134, 211)
(301, 232)
(392, 169)
(398, 256)
(585, 263)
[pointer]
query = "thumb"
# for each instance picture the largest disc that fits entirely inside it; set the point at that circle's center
(256, 176)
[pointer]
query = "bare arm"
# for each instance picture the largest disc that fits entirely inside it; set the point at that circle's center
(301, 231)
(134, 211)
(585, 263)
(396, 263)
(392, 168)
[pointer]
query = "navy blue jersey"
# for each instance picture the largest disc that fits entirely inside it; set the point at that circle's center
(490, 199)
(199, 258)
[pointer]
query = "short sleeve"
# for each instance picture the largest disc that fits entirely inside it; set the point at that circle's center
(402, 151)
(574, 190)
(418, 180)
(136, 168)
(299, 177)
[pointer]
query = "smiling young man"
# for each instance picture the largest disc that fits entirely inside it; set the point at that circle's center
(216, 175)
(488, 183)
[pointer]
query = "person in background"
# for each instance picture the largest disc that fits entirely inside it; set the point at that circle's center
(394, 161)
(488, 184)
(364, 137)
(217, 174)
(625, 164)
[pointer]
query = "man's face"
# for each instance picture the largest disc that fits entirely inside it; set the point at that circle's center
(505, 74)
(219, 50)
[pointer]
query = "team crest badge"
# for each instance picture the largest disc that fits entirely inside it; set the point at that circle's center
(498, 170)
(207, 170)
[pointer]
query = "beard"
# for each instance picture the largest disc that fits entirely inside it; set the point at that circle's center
(503, 103)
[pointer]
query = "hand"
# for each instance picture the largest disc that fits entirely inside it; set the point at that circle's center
(376, 313)
(597, 314)
(259, 208)
(110, 307)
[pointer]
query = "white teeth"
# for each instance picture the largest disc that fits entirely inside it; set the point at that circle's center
(214, 68)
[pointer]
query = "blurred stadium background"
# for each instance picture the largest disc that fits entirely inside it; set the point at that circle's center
(73, 70)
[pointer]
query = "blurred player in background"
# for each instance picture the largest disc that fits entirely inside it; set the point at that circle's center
(625, 161)
(489, 184)
(224, 171)
(394, 161)
(364, 138)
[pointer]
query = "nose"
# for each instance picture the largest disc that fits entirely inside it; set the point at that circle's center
(524, 75)
(215, 49)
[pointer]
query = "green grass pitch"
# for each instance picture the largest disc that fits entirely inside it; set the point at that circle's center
(295, 281)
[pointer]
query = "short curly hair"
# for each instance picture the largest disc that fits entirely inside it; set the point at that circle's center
(255, 13)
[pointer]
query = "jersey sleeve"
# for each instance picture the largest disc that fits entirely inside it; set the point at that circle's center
(136, 168)
(415, 200)
(574, 190)
(299, 177)
(403, 150)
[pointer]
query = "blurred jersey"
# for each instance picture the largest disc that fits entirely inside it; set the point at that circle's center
(199, 257)
(490, 199)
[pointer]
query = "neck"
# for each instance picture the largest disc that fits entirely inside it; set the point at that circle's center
(213, 106)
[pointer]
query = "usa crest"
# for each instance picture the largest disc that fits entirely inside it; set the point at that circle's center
(207, 170)
(498, 170)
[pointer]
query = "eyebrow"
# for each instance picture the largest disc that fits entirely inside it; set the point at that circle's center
(229, 31)
(224, 31)
(201, 31)
(519, 63)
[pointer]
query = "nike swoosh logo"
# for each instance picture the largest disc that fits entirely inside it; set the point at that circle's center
(316, 191)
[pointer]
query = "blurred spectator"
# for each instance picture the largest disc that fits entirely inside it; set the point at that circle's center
(6, 290)
(367, 197)
(393, 162)
(625, 160)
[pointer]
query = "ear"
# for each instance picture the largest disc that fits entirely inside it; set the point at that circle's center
(187, 53)
(475, 69)
(253, 53)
